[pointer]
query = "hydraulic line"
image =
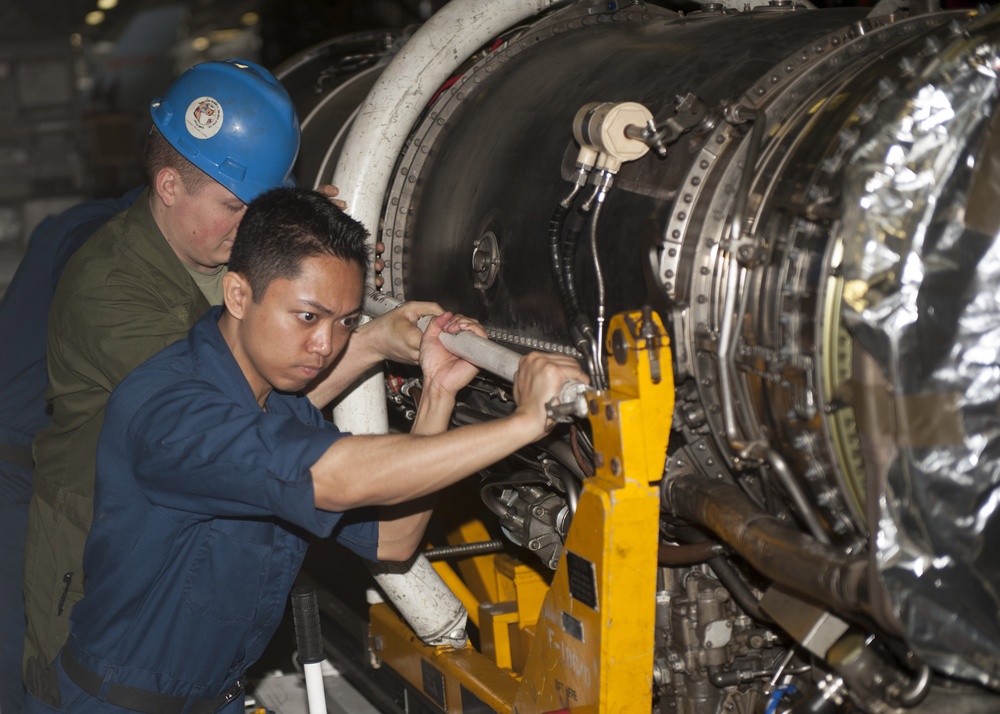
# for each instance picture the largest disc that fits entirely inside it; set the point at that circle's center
(556, 223)
(727, 333)
(568, 244)
(562, 274)
(790, 558)
(714, 556)
(740, 591)
(689, 554)
(602, 381)
(574, 441)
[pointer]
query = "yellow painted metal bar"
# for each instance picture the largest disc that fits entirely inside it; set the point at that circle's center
(588, 637)
(442, 673)
(469, 601)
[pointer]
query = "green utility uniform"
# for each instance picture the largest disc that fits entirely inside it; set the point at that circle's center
(124, 296)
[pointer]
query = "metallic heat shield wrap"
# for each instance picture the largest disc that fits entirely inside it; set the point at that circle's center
(922, 300)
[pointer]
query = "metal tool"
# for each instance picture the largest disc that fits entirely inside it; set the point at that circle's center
(501, 361)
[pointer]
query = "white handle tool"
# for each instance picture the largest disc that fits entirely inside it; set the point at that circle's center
(494, 358)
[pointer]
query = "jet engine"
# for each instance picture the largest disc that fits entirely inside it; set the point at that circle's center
(805, 204)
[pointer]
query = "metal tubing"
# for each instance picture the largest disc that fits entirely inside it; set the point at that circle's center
(727, 337)
(783, 554)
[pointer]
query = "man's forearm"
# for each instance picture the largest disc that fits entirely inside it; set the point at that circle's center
(394, 468)
(401, 528)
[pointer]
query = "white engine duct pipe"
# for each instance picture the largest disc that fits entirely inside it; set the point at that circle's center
(363, 172)
(380, 129)
(427, 604)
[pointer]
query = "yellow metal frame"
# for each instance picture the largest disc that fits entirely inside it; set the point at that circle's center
(584, 642)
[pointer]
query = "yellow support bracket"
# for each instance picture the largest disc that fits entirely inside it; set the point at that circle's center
(593, 642)
(585, 642)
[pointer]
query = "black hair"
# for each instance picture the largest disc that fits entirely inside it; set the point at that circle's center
(283, 226)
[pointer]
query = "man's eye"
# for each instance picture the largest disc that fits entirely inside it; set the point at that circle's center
(235, 208)
(349, 322)
(308, 316)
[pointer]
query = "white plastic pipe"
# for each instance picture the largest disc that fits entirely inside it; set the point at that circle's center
(315, 692)
(382, 125)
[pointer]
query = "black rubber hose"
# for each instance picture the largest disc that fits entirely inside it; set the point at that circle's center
(556, 223)
(570, 240)
(562, 274)
(725, 571)
(741, 592)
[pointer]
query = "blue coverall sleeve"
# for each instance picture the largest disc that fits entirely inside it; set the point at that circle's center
(197, 451)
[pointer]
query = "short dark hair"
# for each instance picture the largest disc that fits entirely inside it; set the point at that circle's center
(283, 226)
(158, 154)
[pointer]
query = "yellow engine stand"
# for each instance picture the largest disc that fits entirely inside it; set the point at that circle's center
(593, 643)
(590, 646)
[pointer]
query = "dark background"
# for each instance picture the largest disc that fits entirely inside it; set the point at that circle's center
(74, 97)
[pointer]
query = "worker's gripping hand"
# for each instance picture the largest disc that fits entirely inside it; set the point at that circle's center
(539, 379)
(395, 335)
(444, 372)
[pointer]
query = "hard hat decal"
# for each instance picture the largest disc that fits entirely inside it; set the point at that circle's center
(204, 118)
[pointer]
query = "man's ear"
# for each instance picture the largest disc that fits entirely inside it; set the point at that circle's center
(236, 294)
(167, 185)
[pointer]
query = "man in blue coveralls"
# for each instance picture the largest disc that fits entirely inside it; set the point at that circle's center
(24, 313)
(212, 469)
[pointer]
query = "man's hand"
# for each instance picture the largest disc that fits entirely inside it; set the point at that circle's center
(539, 379)
(442, 370)
(395, 335)
(331, 192)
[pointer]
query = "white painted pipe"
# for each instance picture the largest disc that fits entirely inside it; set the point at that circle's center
(363, 172)
(382, 125)
(424, 600)
(315, 692)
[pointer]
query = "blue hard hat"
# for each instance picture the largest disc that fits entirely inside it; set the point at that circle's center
(234, 121)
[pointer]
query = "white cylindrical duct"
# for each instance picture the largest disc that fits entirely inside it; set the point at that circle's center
(424, 600)
(384, 121)
(362, 175)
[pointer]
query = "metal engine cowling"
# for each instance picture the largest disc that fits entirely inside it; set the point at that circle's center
(819, 238)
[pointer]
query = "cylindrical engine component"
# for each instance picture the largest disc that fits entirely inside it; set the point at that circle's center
(783, 554)
(801, 241)
(422, 598)
(327, 83)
